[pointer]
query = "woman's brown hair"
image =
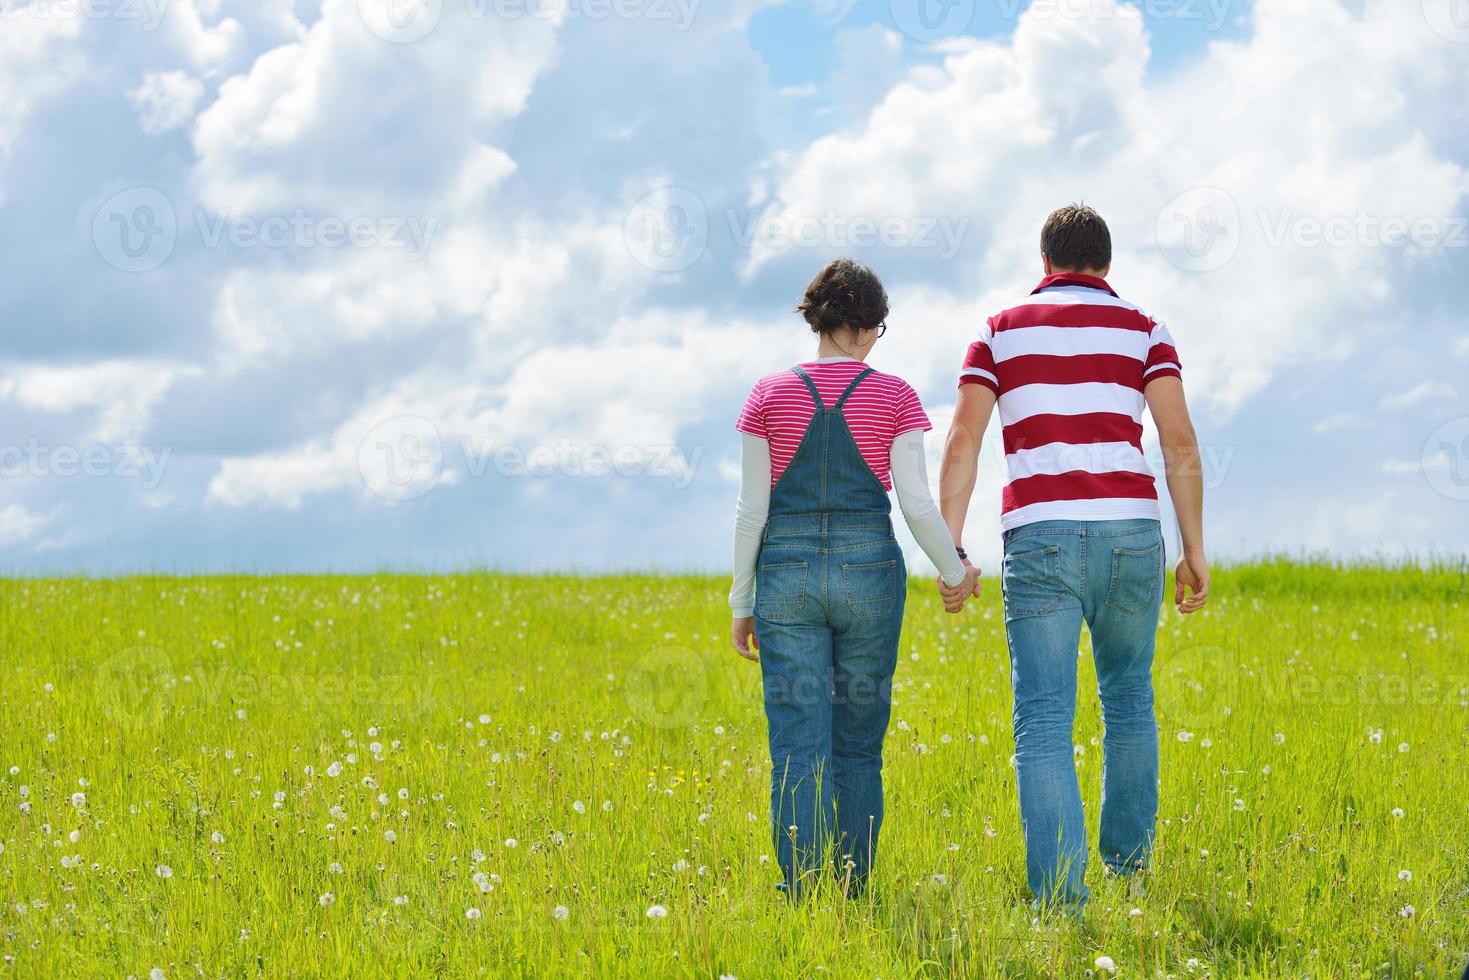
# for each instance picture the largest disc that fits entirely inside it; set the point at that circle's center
(845, 293)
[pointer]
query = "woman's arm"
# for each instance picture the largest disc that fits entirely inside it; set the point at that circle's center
(910, 480)
(750, 515)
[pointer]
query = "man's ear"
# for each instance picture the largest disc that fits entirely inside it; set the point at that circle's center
(1046, 261)
(1105, 272)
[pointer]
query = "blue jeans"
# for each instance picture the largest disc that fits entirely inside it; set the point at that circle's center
(1056, 575)
(829, 602)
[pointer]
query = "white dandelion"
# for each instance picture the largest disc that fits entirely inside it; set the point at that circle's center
(1405, 875)
(471, 914)
(326, 899)
(561, 913)
(657, 912)
(1106, 964)
(163, 871)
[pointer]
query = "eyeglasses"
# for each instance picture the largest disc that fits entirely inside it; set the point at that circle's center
(882, 328)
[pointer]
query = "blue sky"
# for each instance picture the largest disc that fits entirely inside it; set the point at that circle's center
(297, 285)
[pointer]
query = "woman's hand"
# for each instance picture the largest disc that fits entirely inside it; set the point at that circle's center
(742, 635)
(955, 597)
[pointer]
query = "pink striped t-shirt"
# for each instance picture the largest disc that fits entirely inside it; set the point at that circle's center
(882, 408)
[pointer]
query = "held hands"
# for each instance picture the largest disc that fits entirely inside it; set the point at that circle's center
(955, 597)
(742, 634)
(1193, 572)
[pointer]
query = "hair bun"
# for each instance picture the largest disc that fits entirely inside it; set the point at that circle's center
(845, 293)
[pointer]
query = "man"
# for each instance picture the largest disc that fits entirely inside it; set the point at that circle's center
(1071, 367)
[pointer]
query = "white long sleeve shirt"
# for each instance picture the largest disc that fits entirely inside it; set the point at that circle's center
(910, 481)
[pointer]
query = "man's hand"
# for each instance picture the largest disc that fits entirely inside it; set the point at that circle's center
(742, 632)
(1193, 572)
(955, 597)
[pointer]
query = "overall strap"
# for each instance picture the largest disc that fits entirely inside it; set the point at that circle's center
(815, 395)
(851, 388)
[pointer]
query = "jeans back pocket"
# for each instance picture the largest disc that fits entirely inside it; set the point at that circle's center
(872, 588)
(780, 591)
(1137, 579)
(1031, 582)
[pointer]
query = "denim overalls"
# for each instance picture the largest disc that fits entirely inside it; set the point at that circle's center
(829, 595)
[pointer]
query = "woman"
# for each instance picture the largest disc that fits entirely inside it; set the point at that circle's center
(819, 579)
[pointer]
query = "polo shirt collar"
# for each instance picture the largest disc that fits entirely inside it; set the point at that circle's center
(1072, 279)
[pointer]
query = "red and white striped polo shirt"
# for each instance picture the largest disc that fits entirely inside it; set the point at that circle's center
(882, 408)
(1068, 365)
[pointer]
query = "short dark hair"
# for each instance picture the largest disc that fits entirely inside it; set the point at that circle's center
(845, 293)
(1075, 237)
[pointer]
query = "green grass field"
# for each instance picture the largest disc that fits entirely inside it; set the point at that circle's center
(485, 775)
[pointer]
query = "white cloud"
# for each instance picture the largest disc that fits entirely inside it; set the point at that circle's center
(37, 60)
(1338, 421)
(1421, 392)
(1401, 467)
(19, 525)
(992, 133)
(325, 122)
(166, 100)
(118, 395)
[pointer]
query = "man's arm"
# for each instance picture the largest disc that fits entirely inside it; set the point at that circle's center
(961, 455)
(1185, 475)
